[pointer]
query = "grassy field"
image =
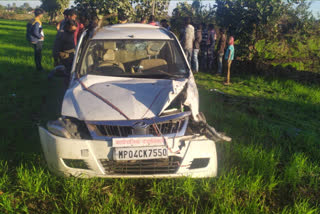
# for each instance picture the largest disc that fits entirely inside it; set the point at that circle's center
(271, 166)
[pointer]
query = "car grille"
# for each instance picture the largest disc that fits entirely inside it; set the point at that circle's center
(168, 127)
(119, 131)
(142, 167)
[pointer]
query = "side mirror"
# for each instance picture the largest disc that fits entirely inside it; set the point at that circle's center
(58, 71)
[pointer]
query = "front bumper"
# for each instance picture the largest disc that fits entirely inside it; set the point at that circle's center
(197, 157)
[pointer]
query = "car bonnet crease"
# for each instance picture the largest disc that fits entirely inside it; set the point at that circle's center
(135, 97)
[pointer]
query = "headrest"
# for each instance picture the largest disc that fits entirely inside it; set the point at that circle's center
(109, 45)
(154, 63)
(109, 55)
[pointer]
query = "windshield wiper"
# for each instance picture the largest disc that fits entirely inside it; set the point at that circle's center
(160, 73)
(149, 75)
(171, 76)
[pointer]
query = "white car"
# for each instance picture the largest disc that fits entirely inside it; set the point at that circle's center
(131, 110)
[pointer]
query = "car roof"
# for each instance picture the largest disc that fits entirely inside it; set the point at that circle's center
(132, 31)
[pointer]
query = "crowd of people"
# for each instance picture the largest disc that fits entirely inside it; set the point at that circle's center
(201, 50)
(199, 44)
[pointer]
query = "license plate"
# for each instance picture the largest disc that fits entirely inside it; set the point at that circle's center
(140, 153)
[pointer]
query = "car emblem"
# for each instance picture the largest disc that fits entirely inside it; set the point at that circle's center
(140, 124)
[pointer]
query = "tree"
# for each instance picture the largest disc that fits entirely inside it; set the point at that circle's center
(54, 7)
(143, 8)
(131, 9)
(25, 5)
(250, 20)
(198, 12)
(111, 9)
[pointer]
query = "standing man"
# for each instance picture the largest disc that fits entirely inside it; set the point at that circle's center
(72, 15)
(152, 20)
(122, 18)
(61, 24)
(64, 47)
(211, 42)
(164, 24)
(188, 39)
(229, 58)
(143, 20)
(196, 49)
(220, 49)
(204, 47)
(36, 36)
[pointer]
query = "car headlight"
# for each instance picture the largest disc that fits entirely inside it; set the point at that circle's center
(69, 128)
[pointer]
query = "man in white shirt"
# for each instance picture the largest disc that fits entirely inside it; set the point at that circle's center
(188, 39)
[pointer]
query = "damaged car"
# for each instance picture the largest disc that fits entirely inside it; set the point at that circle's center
(131, 110)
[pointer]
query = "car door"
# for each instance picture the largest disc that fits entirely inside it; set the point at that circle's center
(76, 59)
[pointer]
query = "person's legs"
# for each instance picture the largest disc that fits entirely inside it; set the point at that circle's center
(228, 74)
(220, 57)
(210, 59)
(68, 64)
(195, 60)
(38, 55)
(189, 55)
(204, 58)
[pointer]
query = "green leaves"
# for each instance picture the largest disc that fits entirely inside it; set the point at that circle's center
(130, 9)
(143, 8)
(250, 20)
(54, 7)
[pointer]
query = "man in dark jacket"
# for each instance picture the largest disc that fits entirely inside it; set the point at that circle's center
(64, 46)
(204, 47)
(36, 37)
(60, 25)
(220, 49)
(196, 48)
(211, 42)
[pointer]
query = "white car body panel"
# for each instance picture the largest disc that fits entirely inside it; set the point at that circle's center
(57, 148)
(134, 96)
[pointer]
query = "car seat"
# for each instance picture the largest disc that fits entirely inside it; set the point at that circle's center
(153, 65)
(109, 58)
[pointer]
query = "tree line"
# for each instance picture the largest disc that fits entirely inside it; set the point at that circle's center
(256, 25)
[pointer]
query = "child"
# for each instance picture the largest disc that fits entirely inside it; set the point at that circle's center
(229, 57)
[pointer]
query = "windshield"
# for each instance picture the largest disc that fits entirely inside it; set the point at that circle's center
(134, 58)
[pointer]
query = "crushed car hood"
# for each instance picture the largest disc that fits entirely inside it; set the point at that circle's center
(137, 98)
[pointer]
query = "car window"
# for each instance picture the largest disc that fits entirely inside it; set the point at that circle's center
(135, 58)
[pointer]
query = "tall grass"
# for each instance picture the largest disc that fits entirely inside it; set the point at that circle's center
(271, 166)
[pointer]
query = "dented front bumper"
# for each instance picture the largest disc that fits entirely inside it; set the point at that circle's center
(197, 157)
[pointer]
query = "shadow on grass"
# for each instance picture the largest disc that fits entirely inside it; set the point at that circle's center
(247, 68)
(28, 99)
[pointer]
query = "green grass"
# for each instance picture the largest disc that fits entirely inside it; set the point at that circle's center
(301, 55)
(271, 166)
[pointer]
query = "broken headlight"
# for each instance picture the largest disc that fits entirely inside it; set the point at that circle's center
(69, 128)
